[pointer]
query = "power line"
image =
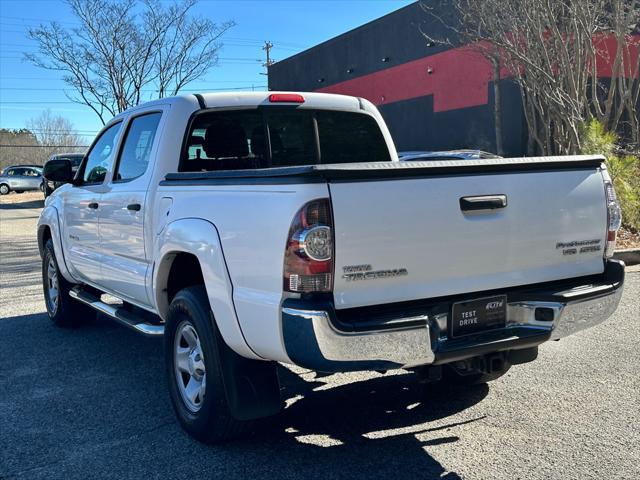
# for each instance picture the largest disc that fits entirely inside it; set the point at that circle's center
(49, 79)
(53, 131)
(45, 146)
(203, 90)
(44, 102)
(38, 89)
(224, 59)
(224, 44)
(63, 22)
(245, 40)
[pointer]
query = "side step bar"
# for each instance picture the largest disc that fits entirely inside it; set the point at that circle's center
(119, 314)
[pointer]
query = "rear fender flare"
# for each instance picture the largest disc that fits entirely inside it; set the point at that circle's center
(200, 238)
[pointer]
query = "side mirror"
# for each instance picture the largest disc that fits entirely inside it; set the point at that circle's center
(58, 171)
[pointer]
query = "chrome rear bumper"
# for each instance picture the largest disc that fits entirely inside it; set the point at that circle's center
(314, 338)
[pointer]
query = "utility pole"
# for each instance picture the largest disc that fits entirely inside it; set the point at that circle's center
(267, 48)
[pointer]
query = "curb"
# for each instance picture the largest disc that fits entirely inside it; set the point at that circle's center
(630, 256)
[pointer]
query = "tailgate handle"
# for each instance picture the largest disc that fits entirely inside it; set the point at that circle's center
(483, 202)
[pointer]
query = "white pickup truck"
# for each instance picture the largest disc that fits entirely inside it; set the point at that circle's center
(255, 228)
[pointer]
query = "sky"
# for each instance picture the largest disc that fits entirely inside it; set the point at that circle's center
(292, 26)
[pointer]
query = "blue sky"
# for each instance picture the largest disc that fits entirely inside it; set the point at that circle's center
(293, 26)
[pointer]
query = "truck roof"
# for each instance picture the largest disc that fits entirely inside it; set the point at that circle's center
(254, 99)
(311, 99)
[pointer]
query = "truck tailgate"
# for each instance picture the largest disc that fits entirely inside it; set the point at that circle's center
(407, 238)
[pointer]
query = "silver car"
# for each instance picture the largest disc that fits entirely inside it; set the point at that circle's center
(20, 179)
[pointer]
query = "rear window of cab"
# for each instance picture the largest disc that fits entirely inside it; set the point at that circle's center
(280, 137)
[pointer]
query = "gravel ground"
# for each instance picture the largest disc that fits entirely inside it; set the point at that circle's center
(21, 198)
(92, 402)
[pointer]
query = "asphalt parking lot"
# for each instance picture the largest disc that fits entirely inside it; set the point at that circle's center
(92, 402)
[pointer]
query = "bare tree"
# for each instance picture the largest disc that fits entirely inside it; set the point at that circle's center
(622, 93)
(459, 32)
(55, 134)
(126, 48)
(553, 48)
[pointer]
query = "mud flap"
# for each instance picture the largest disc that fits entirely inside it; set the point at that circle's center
(252, 386)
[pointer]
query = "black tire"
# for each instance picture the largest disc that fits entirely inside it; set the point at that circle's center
(212, 422)
(64, 311)
(42, 187)
(4, 189)
(452, 377)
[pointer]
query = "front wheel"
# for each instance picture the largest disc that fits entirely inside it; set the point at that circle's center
(194, 370)
(4, 189)
(62, 309)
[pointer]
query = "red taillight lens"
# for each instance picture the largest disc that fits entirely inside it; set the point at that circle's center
(286, 98)
(614, 218)
(308, 258)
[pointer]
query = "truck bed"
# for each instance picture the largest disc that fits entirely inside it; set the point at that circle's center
(402, 233)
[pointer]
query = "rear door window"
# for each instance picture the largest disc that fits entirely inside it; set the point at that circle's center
(136, 152)
(280, 137)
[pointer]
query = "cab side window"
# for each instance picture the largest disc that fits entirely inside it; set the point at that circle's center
(138, 143)
(100, 157)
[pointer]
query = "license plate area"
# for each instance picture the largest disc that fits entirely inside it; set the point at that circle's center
(478, 315)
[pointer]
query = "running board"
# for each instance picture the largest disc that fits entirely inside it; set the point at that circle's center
(119, 314)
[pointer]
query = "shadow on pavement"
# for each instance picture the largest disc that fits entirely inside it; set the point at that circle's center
(371, 423)
(22, 205)
(93, 400)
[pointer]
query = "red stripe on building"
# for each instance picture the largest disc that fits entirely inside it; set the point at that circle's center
(457, 78)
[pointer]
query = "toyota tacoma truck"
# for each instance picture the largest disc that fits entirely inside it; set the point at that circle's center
(255, 228)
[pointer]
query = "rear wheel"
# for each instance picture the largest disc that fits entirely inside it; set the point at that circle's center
(42, 187)
(194, 369)
(4, 189)
(62, 309)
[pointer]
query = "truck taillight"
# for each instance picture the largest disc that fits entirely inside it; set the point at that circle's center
(614, 218)
(308, 259)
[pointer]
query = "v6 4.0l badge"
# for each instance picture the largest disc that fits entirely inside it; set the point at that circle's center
(579, 246)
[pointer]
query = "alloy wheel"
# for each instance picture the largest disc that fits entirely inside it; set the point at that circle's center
(52, 286)
(190, 371)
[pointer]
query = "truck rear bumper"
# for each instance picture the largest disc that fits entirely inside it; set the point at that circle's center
(318, 337)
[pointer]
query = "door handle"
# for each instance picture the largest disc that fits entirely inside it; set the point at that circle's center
(134, 207)
(483, 202)
(93, 205)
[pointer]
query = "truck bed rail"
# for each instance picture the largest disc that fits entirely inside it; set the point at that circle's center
(378, 170)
